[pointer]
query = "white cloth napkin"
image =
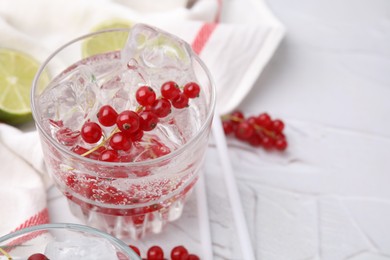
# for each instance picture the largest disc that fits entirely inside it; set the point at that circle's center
(22, 176)
(235, 38)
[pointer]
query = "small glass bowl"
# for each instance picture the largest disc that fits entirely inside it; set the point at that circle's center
(64, 241)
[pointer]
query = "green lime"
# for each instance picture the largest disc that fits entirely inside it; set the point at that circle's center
(106, 42)
(17, 71)
(171, 48)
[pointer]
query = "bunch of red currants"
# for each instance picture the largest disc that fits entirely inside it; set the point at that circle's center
(131, 125)
(157, 253)
(258, 131)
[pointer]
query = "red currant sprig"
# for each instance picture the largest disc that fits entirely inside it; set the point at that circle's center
(130, 125)
(157, 253)
(258, 130)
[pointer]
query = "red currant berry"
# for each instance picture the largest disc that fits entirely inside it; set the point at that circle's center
(145, 96)
(191, 90)
(236, 117)
(192, 257)
(228, 127)
(180, 101)
(137, 135)
(161, 107)
(267, 142)
(170, 90)
(128, 121)
(255, 140)
(281, 144)
(119, 141)
(148, 120)
(135, 249)
(264, 120)
(251, 120)
(244, 131)
(37, 256)
(109, 156)
(277, 125)
(179, 252)
(279, 136)
(107, 115)
(91, 132)
(155, 253)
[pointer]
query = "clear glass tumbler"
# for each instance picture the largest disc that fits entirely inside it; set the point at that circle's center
(125, 199)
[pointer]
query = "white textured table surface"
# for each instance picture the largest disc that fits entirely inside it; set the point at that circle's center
(328, 196)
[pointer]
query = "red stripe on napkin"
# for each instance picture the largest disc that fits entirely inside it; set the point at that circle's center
(23, 239)
(41, 217)
(202, 37)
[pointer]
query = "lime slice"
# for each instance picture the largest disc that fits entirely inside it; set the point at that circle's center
(107, 42)
(171, 48)
(17, 71)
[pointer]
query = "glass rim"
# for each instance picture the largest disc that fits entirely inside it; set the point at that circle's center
(169, 156)
(74, 227)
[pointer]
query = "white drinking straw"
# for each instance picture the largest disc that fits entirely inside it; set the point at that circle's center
(234, 195)
(204, 221)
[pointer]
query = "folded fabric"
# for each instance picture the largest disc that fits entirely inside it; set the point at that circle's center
(22, 191)
(235, 51)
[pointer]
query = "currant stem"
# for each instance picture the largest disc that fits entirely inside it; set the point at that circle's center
(5, 254)
(267, 132)
(257, 127)
(102, 143)
(139, 109)
(229, 117)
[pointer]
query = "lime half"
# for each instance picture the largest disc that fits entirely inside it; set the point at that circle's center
(106, 42)
(17, 71)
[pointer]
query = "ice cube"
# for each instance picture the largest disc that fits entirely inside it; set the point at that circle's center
(162, 56)
(118, 88)
(71, 98)
(81, 248)
(159, 57)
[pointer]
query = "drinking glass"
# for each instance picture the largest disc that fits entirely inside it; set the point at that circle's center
(125, 199)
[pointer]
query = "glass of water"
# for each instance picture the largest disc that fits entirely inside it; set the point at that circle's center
(147, 183)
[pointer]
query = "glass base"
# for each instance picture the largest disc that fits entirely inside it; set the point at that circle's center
(134, 226)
